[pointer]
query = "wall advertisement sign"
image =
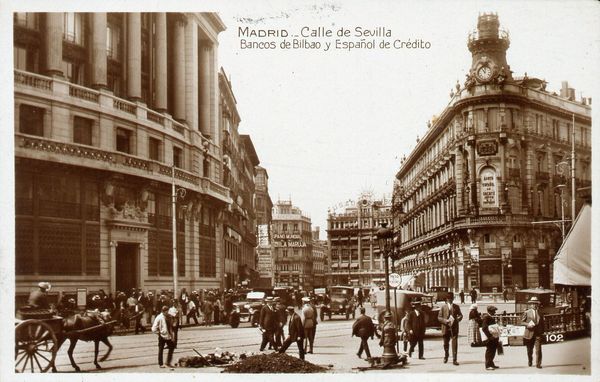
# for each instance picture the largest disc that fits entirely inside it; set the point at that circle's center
(489, 195)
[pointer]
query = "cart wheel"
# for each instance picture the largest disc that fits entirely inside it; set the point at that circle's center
(35, 347)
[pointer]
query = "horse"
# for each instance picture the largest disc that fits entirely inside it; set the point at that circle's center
(93, 326)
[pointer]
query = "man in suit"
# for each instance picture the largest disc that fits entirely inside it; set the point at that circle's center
(534, 330)
(415, 327)
(473, 294)
(449, 317)
(268, 324)
(491, 341)
(295, 332)
(363, 327)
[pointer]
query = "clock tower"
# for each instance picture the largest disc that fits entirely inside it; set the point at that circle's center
(488, 45)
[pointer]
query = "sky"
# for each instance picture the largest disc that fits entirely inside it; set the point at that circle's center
(330, 124)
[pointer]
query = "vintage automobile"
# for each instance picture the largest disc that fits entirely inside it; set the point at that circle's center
(341, 302)
(439, 293)
(246, 308)
(285, 294)
(400, 303)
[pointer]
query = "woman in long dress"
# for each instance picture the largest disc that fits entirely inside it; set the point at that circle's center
(474, 336)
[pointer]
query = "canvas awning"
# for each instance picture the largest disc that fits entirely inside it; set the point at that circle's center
(406, 281)
(572, 264)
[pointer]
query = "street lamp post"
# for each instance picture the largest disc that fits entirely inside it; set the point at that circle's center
(384, 236)
(175, 192)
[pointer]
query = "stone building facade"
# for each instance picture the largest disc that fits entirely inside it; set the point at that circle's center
(490, 165)
(264, 217)
(354, 257)
(319, 255)
(239, 218)
(110, 109)
(292, 247)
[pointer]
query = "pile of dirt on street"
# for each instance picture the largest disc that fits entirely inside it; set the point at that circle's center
(273, 363)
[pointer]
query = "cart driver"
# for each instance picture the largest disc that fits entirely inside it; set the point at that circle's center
(39, 298)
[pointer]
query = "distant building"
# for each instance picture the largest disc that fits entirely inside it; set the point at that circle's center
(264, 216)
(319, 255)
(354, 257)
(495, 161)
(292, 247)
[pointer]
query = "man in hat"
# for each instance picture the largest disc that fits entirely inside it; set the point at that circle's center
(363, 327)
(415, 326)
(449, 317)
(309, 314)
(164, 330)
(492, 337)
(39, 298)
(295, 332)
(281, 316)
(534, 330)
(268, 323)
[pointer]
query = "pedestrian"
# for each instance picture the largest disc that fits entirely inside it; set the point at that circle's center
(217, 308)
(162, 327)
(174, 316)
(449, 317)
(404, 332)
(473, 334)
(373, 298)
(208, 312)
(363, 327)
(295, 332)
(462, 296)
(268, 323)
(359, 297)
(505, 294)
(183, 301)
(149, 307)
(416, 325)
(473, 294)
(490, 329)
(534, 330)
(138, 313)
(309, 315)
(281, 316)
(192, 312)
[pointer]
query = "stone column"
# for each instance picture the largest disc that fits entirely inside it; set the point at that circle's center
(473, 175)
(161, 61)
(99, 50)
(179, 69)
(53, 38)
(205, 87)
(134, 56)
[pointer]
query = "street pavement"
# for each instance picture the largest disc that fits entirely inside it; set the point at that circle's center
(334, 348)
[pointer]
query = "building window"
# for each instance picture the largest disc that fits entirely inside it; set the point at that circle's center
(555, 130)
(74, 72)
(284, 252)
(31, 120)
(25, 59)
(206, 167)
(26, 19)
(284, 229)
(177, 157)
(154, 149)
(113, 46)
(487, 238)
(82, 130)
(124, 140)
(74, 28)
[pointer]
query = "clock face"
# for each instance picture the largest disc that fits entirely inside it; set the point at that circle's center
(484, 73)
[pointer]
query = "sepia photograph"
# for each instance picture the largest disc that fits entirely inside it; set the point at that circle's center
(341, 188)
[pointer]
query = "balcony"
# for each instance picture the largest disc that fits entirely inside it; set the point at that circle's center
(102, 101)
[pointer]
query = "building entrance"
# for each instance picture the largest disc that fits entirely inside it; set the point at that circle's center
(126, 271)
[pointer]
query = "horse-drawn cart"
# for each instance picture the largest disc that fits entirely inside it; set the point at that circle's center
(39, 334)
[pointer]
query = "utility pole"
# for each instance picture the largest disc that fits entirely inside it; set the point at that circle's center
(573, 191)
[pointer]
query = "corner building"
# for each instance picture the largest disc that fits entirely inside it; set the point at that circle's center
(109, 108)
(490, 165)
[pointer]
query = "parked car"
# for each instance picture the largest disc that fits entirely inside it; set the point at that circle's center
(341, 302)
(246, 308)
(401, 303)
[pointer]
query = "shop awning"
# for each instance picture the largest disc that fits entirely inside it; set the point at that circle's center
(408, 258)
(572, 264)
(438, 249)
(406, 281)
